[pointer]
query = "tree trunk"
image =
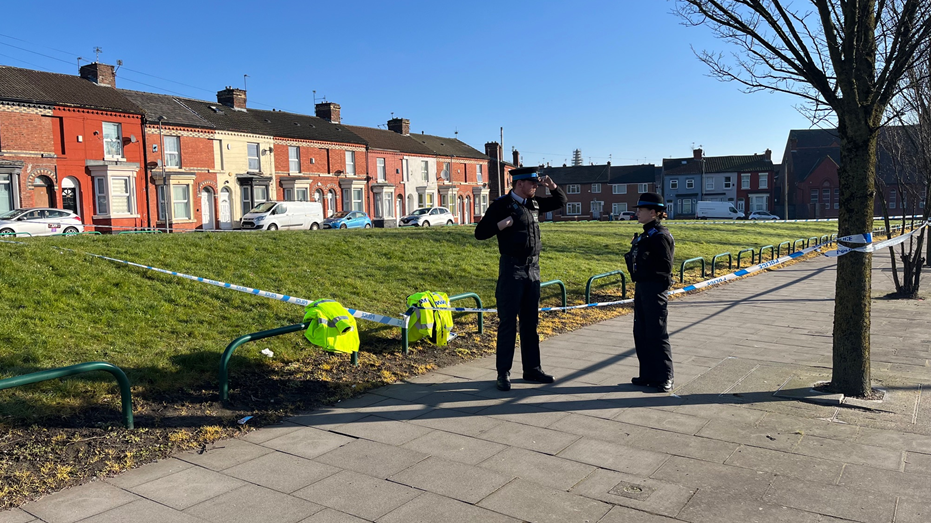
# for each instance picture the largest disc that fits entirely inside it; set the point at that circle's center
(851, 354)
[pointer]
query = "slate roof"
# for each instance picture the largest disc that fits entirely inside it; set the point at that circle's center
(813, 146)
(390, 140)
(807, 138)
(175, 112)
(608, 174)
(716, 164)
(449, 147)
(26, 85)
(805, 161)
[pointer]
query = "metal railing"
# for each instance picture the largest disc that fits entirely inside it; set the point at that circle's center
(15, 234)
(561, 285)
(779, 248)
(808, 243)
(478, 305)
(588, 286)
(63, 372)
(714, 259)
(752, 254)
(682, 268)
(794, 248)
(772, 253)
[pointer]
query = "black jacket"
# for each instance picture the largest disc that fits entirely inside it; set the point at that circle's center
(651, 254)
(522, 238)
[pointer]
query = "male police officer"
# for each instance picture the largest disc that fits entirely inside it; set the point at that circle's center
(649, 262)
(514, 218)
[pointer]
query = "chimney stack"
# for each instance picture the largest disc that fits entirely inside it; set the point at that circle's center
(516, 157)
(100, 74)
(697, 154)
(768, 154)
(232, 97)
(492, 149)
(329, 111)
(400, 126)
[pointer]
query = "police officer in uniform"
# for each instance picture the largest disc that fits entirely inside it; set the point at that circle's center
(649, 262)
(514, 219)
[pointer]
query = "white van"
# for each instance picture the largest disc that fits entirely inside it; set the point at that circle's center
(272, 216)
(726, 210)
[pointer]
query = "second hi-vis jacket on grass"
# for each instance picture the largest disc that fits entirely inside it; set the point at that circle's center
(424, 323)
(331, 327)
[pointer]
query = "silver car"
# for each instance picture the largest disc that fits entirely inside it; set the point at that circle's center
(40, 221)
(428, 217)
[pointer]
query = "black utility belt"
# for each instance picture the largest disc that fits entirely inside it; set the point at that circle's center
(520, 261)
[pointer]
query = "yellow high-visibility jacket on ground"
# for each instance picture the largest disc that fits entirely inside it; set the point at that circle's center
(435, 325)
(331, 327)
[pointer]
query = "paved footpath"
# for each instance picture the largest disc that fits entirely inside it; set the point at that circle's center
(740, 440)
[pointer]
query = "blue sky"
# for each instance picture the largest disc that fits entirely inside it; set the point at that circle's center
(616, 79)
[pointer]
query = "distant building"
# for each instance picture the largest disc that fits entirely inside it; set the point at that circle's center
(595, 191)
(577, 157)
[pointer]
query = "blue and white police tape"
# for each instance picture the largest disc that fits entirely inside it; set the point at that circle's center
(377, 318)
(871, 247)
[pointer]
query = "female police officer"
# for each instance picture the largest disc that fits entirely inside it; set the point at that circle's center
(649, 262)
(514, 219)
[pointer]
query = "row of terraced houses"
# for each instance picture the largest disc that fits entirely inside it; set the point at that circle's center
(122, 158)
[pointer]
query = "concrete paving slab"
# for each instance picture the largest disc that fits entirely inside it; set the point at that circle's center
(905, 485)
(254, 503)
(430, 508)
(525, 414)
(850, 452)
(544, 469)
(281, 472)
(650, 495)
(766, 437)
(394, 409)
(629, 515)
(329, 515)
(576, 403)
(16, 516)
(537, 504)
(187, 488)
(308, 442)
(831, 500)
(529, 437)
(657, 419)
(457, 422)
(786, 464)
(709, 506)
(150, 472)
(321, 419)
(698, 474)
(463, 401)
(686, 445)
(224, 454)
(75, 504)
(614, 457)
(894, 439)
(270, 432)
(597, 428)
(452, 479)
(722, 411)
(912, 512)
(369, 457)
(370, 498)
(918, 463)
(143, 511)
(382, 430)
(824, 427)
(455, 447)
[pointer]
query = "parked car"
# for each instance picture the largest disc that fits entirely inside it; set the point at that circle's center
(762, 215)
(705, 210)
(40, 221)
(348, 220)
(284, 215)
(428, 217)
(627, 215)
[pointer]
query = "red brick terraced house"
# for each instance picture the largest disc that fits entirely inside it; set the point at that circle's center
(74, 143)
(595, 191)
(744, 180)
(461, 177)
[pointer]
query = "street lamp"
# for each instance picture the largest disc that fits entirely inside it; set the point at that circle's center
(166, 186)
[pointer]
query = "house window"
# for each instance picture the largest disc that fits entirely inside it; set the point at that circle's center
(160, 192)
(674, 184)
(389, 209)
(596, 188)
(764, 181)
(112, 140)
(740, 204)
(689, 184)
(484, 203)
(836, 198)
(574, 208)
(643, 187)
(573, 189)
(294, 159)
(727, 182)
(261, 194)
(619, 188)
(446, 171)
(181, 201)
(252, 152)
(745, 180)
(826, 197)
(351, 163)
(478, 174)
(759, 203)
(406, 169)
(173, 151)
(429, 199)
(687, 206)
(6, 193)
(301, 195)
(382, 172)
(377, 202)
(100, 188)
(618, 208)
(115, 198)
(318, 196)
(814, 196)
(892, 199)
(425, 170)
(289, 195)
(709, 184)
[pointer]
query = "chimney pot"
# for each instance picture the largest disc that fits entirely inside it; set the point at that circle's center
(400, 126)
(492, 149)
(232, 97)
(516, 154)
(697, 154)
(329, 111)
(100, 74)
(768, 154)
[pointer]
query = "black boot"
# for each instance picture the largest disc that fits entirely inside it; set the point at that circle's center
(504, 382)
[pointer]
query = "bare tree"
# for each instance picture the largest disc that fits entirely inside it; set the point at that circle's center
(847, 59)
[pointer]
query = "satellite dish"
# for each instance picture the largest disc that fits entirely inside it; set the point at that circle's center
(132, 138)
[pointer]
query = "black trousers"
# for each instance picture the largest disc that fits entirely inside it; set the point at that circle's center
(650, 335)
(518, 295)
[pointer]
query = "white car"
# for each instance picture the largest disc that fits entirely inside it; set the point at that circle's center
(428, 217)
(627, 215)
(40, 221)
(762, 215)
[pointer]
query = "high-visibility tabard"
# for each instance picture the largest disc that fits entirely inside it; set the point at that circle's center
(433, 324)
(331, 327)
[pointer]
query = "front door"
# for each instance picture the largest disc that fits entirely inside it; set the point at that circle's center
(206, 209)
(43, 192)
(226, 217)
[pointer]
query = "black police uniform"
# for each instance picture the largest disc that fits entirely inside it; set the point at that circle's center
(518, 289)
(649, 262)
